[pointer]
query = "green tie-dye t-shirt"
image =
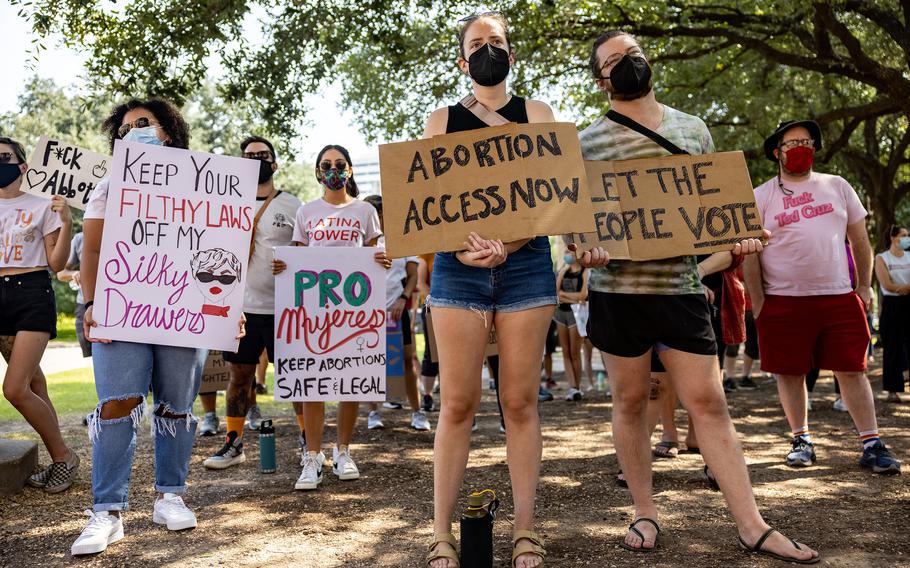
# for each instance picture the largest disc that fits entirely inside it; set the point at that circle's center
(607, 140)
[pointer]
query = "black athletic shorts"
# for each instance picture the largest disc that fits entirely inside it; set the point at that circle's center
(27, 303)
(628, 325)
(428, 368)
(260, 334)
(407, 330)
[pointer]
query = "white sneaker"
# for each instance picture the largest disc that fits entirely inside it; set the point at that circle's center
(839, 405)
(311, 476)
(253, 418)
(102, 529)
(229, 454)
(171, 511)
(574, 394)
(419, 421)
(209, 426)
(374, 420)
(343, 465)
(809, 404)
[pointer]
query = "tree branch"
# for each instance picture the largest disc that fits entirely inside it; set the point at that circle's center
(842, 140)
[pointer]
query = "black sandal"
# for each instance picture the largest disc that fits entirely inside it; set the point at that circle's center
(620, 481)
(637, 532)
(757, 549)
(712, 482)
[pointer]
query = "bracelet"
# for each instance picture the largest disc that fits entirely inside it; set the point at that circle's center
(89, 304)
(404, 296)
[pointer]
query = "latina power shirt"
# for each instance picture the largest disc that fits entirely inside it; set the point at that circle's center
(806, 255)
(321, 224)
(24, 222)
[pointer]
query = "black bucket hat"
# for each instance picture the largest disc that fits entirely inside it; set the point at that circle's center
(771, 142)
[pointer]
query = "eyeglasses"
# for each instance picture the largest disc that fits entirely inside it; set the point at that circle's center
(339, 165)
(141, 122)
(206, 277)
(790, 144)
(263, 155)
(7, 157)
(617, 57)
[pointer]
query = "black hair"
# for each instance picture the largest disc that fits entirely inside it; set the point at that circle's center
(251, 139)
(375, 201)
(167, 115)
(895, 230)
(351, 185)
(18, 148)
(465, 24)
(602, 39)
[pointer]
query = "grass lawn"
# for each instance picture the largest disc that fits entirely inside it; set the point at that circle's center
(73, 392)
(66, 327)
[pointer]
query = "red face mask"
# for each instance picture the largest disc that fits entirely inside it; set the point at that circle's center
(799, 159)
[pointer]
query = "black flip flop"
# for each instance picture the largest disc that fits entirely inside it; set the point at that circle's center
(757, 549)
(621, 482)
(637, 532)
(691, 450)
(712, 483)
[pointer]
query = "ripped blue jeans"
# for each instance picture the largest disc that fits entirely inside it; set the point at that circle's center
(125, 370)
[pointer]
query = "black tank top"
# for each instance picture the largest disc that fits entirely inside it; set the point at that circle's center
(461, 119)
(571, 282)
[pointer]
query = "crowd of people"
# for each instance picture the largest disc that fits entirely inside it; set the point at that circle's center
(668, 330)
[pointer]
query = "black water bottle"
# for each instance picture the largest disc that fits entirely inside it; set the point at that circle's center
(477, 530)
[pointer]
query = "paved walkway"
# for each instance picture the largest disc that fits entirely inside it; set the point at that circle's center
(58, 357)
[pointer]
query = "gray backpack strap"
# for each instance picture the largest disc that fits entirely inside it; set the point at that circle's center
(487, 116)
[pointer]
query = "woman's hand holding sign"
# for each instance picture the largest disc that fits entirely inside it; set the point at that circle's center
(482, 253)
(242, 326)
(751, 246)
(383, 260)
(594, 258)
(88, 322)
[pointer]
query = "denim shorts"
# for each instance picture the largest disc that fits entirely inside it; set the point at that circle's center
(525, 280)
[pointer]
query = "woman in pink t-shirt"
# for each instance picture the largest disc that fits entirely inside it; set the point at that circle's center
(35, 236)
(337, 219)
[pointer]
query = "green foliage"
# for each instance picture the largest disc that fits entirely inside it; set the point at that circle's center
(743, 65)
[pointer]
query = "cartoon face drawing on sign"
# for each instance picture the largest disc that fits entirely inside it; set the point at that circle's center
(217, 273)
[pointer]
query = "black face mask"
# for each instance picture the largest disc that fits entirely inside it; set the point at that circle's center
(489, 65)
(265, 171)
(9, 173)
(631, 78)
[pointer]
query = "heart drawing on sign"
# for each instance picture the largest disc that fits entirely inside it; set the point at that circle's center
(99, 171)
(34, 177)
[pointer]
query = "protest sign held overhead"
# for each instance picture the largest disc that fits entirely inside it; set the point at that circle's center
(176, 245)
(330, 325)
(508, 182)
(58, 168)
(672, 206)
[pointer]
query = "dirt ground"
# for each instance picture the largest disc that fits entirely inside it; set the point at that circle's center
(384, 519)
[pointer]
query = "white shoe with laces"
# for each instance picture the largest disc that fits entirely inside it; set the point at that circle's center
(839, 405)
(311, 476)
(170, 510)
(343, 465)
(374, 421)
(419, 421)
(102, 529)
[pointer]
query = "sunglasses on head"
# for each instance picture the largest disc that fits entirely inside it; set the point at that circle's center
(206, 277)
(339, 165)
(141, 122)
(7, 158)
(263, 155)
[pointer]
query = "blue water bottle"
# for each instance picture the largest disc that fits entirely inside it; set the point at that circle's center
(267, 447)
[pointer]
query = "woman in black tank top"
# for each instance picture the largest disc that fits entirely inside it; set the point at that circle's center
(572, 286)
(507, 285)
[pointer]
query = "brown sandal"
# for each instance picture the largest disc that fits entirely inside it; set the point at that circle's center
(435, 552)
(527, 542)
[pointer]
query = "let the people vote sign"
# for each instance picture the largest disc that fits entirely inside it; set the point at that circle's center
(330, 325)
(175, 249)
(665, 207)
(58, 168)
(508, 182)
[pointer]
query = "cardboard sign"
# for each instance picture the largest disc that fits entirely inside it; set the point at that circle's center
(330, 321)
(395, 360)
(175, 249)
(216, 374)
(491, 349)
(672, 206)
(508, 182)
(58, 168)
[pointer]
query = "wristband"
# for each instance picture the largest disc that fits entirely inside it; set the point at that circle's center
(89, 304)
(404, 297)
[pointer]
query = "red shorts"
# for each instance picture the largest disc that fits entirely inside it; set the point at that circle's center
(799, 333)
